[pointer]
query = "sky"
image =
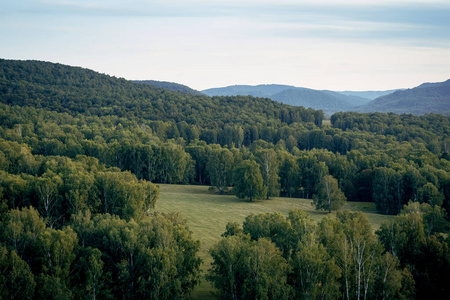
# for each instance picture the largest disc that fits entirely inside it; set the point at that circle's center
(319, 44)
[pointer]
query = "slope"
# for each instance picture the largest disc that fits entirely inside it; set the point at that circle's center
(75, 90)
(171, 86)
(328, 101)
(367, 95)
(262, 90)
(426, 98)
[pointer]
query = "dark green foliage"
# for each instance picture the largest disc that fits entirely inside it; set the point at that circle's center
(171, 86)
(338, 258)
(220, 164)
(101, 257)
(245, 269)
(248, 182)
(16, 279)
(329, 196)
(156, 259)
(80, 91)
(415, 237)
(387, 190)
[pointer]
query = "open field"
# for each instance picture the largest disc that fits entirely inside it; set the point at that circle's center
(208, 213)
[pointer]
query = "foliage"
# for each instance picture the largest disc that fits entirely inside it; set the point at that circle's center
(245, 269)
(415, 237)
(329, 196)
(248, 183)
(339, 257)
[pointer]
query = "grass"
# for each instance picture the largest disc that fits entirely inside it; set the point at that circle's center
(208, 213)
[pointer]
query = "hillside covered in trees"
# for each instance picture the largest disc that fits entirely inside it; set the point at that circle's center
(171, 86)
(80, 153)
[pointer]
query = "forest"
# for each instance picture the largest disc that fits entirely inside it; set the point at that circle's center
(81, 155)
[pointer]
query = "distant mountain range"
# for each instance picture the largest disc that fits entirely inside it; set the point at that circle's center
(371, 95)
(171, 86)
(328, 101)
(426, 98)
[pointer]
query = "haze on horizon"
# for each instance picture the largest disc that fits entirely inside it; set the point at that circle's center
(322, 44)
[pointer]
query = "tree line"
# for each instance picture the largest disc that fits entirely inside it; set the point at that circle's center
(376, 168)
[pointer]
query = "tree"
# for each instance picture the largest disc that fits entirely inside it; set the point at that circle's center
(273, 226)
(314, 274)
(154, 258)
(433, 217)
(312, 171)
(329, 196)
(220, 166)
(248, 182)
(428, 193)
(91, 278)
(245, 269)
(16, 279)
(268, 161)
(387, 190)
(290, 177)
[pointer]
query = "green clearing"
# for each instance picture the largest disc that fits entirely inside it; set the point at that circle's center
(208, 213)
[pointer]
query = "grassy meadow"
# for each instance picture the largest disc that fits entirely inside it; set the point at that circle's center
(208, 213)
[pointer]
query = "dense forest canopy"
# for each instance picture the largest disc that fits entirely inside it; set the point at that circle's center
(81, 152)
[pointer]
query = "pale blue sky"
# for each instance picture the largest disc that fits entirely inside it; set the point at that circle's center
(321, 44)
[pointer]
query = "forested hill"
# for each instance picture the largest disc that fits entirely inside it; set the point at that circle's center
(426, 98)
(76, 90)
(171, 86)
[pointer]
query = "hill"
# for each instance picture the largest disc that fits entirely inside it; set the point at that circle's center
(171, 86)
(75, 90)
(426, 98)
(262, 90)
(328, 101)
(367, 95)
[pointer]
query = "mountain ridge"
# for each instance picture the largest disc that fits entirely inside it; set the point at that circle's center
(171, 86)
(328, 101)
(425, 98)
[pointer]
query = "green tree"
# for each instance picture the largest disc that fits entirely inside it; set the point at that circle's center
(219, 167)
(389, 277)
(248, 182)
(16, 279)
(433, 217)
(268, 161)
(314, 273)
(56, 252)
(273, 226)
(329, 196)
(387, 190)
(244, 269)
(428, 193)
(312, 171)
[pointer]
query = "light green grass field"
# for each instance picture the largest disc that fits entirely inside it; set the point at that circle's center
(208, 213)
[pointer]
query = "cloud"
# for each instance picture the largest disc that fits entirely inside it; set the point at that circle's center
(205, 43)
